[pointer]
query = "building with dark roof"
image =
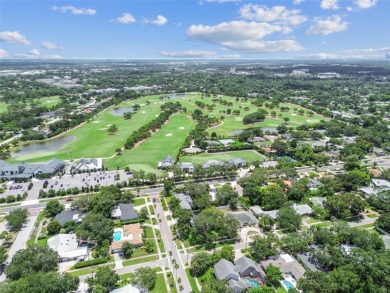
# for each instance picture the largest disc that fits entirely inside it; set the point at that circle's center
(224, 270)
(27, 171)
(237, 163)
(185, 201)
(246, 267)
(212, 163)
(125, 212)
(245, 218)
(68, 215)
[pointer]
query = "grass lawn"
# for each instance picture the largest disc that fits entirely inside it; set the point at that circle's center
(192, 281)
(160, 286)
(149, 232)
(49, 101)
(138, 202)
(372, 216)
(92, 136)
(172, 282)
(167, 141)
(281, 290)
(324, 224)
(232, 123)
(249, 156)
(130, 262)
(88, 270)
(3, 107)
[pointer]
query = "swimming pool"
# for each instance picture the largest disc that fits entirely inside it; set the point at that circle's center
(288, 285)
(252, 283)
(118, 235)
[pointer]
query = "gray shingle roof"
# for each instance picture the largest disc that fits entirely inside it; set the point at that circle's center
(67, 216)
(237, 286)
(185, 200)
(224, 270)
(245, 266)
(245, 217)
(302, 209)
(127, 212)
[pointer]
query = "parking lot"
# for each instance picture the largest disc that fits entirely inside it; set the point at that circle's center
(102, 178)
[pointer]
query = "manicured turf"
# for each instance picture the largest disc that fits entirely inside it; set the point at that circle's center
(191, 279)
(3, 107)
(92, 139)
(232, 123)
(49, 101)
(160, 286)
(249, 156)
(139, 260)
(167, 141)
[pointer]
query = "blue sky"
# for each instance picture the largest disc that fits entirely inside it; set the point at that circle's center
(324, 29)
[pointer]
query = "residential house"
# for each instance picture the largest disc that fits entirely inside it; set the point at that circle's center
(268, 164)
(226, 142)
(318, 201)
(167, 162)
(187, 167)
(129, 288)
(286, 136)
(271, 138)
(258, 211)
(245, 218)
(224, 270)
(128, 233)
(88, 165)
(212, 143)
(237, 163)
(378, 185)
(68, 215)
(246, 267)
(287, 264)
(314, 183)
(212, 163)
(302, 209)
(185, 201)
(308, 261)
(125, 212)
(67, 247)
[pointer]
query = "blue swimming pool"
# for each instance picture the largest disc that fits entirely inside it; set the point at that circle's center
(118, 235)
(252, 283)
(288, 285)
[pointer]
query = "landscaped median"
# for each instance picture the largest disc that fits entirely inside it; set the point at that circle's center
(138, 260)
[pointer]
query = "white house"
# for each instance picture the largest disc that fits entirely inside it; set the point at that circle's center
(67, 247)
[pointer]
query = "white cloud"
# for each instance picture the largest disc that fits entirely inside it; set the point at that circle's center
(34, 52)
(160, 20)
(3, 53)
(197, 54)
(330, 4)
(278, 14)
(53, 57)
(328, 25)
(259, 47)
(349, 8)
(365, 4)
(297, 2)
(74, 10)
(51, 46)
(320, 56)
(243, 36)
(14, 37)
(189, 54)
(387, 55)
(231, 31)
(369, 50)
(125, 18)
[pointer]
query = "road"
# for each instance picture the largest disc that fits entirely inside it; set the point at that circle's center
(169, 244)
(21, 239)
(10, 139)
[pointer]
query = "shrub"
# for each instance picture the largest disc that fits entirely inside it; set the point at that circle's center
(88, 263)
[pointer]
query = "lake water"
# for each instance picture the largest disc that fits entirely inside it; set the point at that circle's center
(43, 147)
(121, 111)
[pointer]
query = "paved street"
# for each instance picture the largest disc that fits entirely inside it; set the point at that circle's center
(169, 244)
(21, 239)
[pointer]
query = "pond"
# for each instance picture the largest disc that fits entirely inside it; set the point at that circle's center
(121, 111)
(175, 96)
(43, 147)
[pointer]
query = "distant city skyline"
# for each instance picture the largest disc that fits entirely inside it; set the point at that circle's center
(206, 29)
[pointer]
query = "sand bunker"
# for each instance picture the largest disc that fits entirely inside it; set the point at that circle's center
(109, 124)
(293, 114)
(181, 127)
(95, 121)
(143, 112)
(103, 128)
(169, 134)
(308, 120)
(142, 104)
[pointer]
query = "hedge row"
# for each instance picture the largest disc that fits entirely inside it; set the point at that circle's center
(88, 263)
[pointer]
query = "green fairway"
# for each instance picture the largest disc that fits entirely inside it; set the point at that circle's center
(49, 101)
(3, 107)
(248, 156)
(167, 141)
(92, 140)
(232, 122)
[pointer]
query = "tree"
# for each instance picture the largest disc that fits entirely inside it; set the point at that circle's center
(54, 227)
(271, 197)
(3, 254)
(266, 223)
(16, 219)
(200, 263)
(225, 195)
(262, 289)
(103, 203)
(105, 280)
(274, 275)
(31, 260)
(227, 252)
(150, 247)
(95, 227)
(53, 207)
(288, 219)
(168, 186)
(262, 247)
(294, 243)
(145, 278)
(52, 282)
(144, 213)
(112, 129)
(299, 190)
(216, 286)
(384, 222)
(343, 205)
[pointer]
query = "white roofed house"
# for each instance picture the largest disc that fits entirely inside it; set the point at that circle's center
(187, 167)
(237, 163)
(67, 247)
(212, 163)
(86, 165)
(166, 163)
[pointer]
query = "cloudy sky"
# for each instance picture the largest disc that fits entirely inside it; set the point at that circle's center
(320, 29)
